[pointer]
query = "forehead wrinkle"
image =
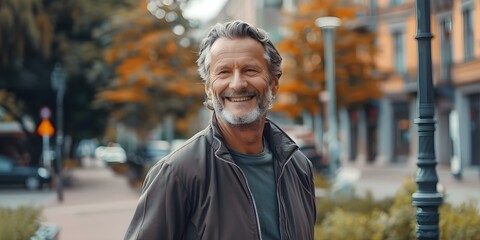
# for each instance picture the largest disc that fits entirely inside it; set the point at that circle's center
(232, 46)
(242, 59)
(238, 61)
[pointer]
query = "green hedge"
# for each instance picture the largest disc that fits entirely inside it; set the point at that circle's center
(349, 216)
(20, 223)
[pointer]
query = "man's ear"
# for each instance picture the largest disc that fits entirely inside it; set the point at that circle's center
(274, 85)
(208, 91)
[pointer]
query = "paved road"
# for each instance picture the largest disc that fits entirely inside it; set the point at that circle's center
(98, 204)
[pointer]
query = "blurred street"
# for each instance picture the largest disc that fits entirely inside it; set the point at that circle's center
(98, 204)
(384, 181)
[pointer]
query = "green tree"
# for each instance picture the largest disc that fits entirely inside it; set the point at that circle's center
(25, 27)
(34, 36)
(26, 32)
(303, 51)
(79, 45)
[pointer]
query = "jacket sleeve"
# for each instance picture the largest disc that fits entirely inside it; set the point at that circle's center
(312, 189)
(161, 210)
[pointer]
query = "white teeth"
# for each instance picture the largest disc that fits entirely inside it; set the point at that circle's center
(239, 99)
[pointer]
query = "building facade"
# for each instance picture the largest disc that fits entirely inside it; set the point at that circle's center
(456, 79)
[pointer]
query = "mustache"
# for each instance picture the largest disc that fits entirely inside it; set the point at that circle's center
(244, 93)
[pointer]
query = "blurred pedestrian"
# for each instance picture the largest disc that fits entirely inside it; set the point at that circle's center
(242, 177)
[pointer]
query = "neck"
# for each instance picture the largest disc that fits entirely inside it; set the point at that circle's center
(245, 138)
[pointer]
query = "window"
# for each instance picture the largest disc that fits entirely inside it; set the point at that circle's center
(396, 2)
(399, 53)
(475, 128)
(373, 7)
(446, 47)
(467, 34)
(272, 3)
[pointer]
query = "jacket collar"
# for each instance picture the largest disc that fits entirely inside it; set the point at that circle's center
(281, 145)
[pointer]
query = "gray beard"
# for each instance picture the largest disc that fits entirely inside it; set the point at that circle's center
(252, 116)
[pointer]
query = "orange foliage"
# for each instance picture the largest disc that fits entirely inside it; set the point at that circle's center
(171, 47)
(303, 51)
(123, 95)
(152, 72)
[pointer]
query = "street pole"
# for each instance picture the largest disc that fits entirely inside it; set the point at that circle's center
(328, 25)
(58, 83)
(426, 198)
(45, 151)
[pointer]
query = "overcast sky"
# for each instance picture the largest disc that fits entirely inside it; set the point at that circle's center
(203, 10)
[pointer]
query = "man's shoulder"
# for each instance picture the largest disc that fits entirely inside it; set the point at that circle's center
(191, 149)
(300, 160)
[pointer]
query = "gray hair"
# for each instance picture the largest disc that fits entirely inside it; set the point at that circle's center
(233, 30)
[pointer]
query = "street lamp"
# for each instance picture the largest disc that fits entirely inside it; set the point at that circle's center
(426, 198)
(58, 83)
(328, 25)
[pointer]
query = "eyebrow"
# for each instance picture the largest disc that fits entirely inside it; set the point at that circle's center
(251, 65)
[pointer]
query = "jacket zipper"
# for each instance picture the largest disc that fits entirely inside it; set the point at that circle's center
(282, 204)
(253, 201)
(257, 220)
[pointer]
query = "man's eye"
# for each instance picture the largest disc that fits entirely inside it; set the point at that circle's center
(251, 71)
(225, 74)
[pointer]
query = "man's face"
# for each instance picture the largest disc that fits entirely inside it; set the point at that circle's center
(240, 85)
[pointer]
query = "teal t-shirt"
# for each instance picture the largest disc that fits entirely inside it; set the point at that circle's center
(258, 170)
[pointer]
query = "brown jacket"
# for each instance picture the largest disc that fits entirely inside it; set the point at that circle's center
(198, 192)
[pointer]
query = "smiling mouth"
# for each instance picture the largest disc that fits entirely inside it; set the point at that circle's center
(239, 99)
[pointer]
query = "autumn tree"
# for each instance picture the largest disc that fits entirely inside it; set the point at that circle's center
(154, 73)
(303, 51)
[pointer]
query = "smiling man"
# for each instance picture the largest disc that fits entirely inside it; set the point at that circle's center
(240, 84)
(241, 177)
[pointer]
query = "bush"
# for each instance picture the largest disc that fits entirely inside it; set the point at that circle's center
(20, 223)
(462, 222)
(351, 203)
(320, 181)
(341, 224)
(401, 221)
(353, 217)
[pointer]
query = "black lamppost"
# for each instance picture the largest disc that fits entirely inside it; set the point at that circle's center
(328, 25)
(426, 198)
(58, 83)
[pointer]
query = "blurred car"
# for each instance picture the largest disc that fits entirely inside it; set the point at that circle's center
(111, 154)
(305, 139)
(31, 178)
(86, 148)
(153, 151)
(144, 157)
(312, 153)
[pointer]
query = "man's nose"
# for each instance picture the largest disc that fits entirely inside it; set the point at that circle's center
(238, 81)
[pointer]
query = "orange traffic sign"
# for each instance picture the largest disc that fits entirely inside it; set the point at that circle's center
(45, 128)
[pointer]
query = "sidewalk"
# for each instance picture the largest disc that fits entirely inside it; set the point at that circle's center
(97, 206)
(384, 181)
